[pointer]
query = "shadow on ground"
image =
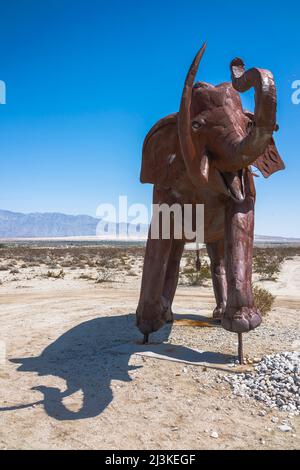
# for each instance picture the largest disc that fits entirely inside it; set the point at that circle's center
(86, 358)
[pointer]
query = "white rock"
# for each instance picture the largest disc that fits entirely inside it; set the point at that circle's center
(284, 428)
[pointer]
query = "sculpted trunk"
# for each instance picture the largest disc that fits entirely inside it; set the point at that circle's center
(244, 152)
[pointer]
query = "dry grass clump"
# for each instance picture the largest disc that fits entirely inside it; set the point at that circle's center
(263, 299)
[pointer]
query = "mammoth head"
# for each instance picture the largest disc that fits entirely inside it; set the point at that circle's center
(218, 139)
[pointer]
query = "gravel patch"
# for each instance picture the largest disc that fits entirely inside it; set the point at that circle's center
(275, 382)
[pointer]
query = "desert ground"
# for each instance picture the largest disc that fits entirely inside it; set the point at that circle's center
(64, 386)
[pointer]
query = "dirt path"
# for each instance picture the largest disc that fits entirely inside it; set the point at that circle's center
(59, 335)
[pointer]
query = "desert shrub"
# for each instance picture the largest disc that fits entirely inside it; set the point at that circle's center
(263, 299)
(192, 277)
(129, 269)
(131, 272)
(267, 265)
(280, 250)
(123, 260)
(82, 266)
(107, 262)
(51, 266)
(14, 271)
(91, 264)
(66, 264)
(87, 276)
(54, 275)
(12, 263)
(105, 275)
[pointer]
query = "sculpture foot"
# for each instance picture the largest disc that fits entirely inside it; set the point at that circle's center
(241, 319)
(146, 339)
(170, 317)
(151, 316)
(218, 313)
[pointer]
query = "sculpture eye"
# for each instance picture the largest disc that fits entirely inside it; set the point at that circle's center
(196, 125)
(250, 124)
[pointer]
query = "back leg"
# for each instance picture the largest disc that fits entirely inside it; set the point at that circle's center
(172, 273)
(218, 273)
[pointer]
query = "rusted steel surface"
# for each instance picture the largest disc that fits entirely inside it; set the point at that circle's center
(203, 155)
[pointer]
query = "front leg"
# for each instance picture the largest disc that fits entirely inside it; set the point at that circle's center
(215, 252)
(240, 315)
(153, 310)
(160, 273)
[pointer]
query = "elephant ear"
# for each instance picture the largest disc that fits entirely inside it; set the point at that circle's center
(270, 161)
(162, 163)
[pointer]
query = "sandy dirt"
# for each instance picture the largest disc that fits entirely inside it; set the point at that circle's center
(63, 386)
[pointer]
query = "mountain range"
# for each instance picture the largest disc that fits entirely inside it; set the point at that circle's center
(56, 224)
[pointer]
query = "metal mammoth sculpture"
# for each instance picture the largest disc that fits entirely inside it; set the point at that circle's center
(203, 155)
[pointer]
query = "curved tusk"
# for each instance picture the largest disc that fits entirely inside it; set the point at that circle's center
(198, 172)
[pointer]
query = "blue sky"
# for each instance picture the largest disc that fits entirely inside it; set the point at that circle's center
(87, 79)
